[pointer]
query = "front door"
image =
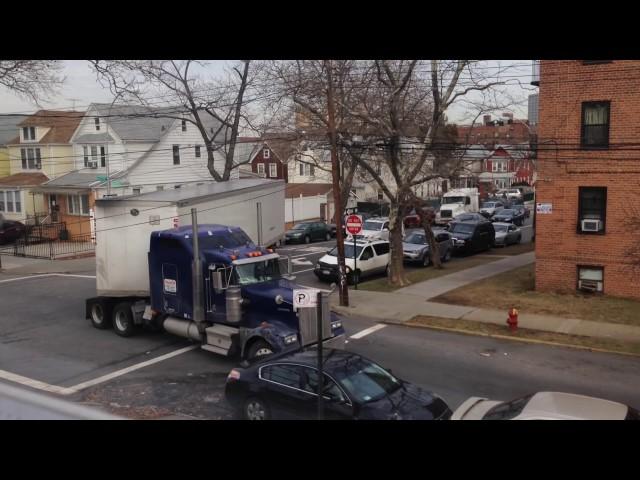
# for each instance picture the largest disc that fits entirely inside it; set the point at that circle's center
(336, 404)
(54, 208)
(281, 388)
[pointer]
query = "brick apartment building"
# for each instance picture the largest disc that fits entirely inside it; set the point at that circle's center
(588, 177)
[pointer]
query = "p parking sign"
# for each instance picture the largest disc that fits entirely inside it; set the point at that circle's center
(306, 298)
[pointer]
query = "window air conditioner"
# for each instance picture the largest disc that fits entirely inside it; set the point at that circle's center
(590, 225)
(590, 285)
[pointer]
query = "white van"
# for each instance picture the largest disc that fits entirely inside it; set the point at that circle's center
(372, 257)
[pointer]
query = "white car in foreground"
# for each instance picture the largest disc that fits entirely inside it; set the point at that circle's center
(545, 406)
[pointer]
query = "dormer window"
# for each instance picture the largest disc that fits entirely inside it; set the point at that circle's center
(29, 133)
(97, 123)
(184, 125)
(266, 153)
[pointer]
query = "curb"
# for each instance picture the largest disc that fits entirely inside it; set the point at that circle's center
(515, 339)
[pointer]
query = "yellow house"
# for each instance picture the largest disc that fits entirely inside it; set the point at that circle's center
(8, 129)
(40, 151)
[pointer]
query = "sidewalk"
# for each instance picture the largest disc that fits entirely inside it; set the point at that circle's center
(398, 308)
(30, 266)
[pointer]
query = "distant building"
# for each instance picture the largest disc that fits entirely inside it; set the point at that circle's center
(533, 109)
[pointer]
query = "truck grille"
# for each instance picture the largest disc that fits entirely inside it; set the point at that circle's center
(307, 318)
(445, 213)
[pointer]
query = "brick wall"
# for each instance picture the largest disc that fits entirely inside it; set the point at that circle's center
(563, 167)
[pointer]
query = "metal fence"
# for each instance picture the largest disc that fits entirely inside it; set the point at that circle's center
(49, 241)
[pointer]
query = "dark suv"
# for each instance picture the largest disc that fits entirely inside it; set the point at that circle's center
(307, 232)
(472, 237)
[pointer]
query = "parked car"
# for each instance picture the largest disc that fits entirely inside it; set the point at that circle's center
(307, 232)
(509, 215)
(545, 406)
(507, 234)
(372, 258)
(413, 219)
(355, 388)
(332, 229)
(416, 249)
(470, 217)
(11, 230)
(374, 228)
(510, 193)
(472, 237)
(489, 208)
(522, 210)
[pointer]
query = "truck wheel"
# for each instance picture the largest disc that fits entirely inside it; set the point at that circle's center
(99, 317)
(259, 349)
(256, 409)
(123, 320)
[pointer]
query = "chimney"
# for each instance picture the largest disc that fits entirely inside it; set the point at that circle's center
(486, 119)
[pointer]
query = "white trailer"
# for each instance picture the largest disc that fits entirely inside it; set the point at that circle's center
(124, 224)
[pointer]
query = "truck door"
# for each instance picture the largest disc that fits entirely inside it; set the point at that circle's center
(170, 296)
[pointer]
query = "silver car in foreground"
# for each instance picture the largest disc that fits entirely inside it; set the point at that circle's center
(507, 234)
(415, 246)
(545, 406)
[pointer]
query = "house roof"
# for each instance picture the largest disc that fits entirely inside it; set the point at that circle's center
(24, 179)
(62, 125)
(9, 127)
(141, 123)
(94, 138)
(75, 179)
(294, 190)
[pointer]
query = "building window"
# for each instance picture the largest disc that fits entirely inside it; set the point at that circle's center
(590, 279)
(592, 209)
(380, 195)
(595, 124)
(31, 159)
(78, 205)
(184, 125)
(312, 170)
(266, 153)
(85, 152)
(273, 170)
(97, 123)
(261, 169)
(176, 154)
(103, 156)
(595, 62)
(160, 188)
(94, 155)
(197, 147)
(301, 169)
(136, 191)
(177, 186)
(29, 133)
(11, 201)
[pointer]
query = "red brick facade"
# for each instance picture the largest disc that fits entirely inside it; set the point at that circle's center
(564, 166)
(282, 172)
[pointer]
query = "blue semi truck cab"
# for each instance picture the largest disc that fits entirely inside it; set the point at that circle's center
(246, 301)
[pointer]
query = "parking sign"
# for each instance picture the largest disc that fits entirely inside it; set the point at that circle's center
(305, 298)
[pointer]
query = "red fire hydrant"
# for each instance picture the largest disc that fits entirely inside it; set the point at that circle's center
(512, 321)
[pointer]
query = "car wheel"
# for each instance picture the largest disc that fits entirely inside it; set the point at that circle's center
(259, 349)
(307, 239)
(123, 320)
(354, 278)
(519, 239)
(256, 409)
(327, 237)
(447, 256)
(98, 316)
(426, 260)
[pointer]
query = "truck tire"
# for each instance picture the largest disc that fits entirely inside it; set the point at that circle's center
(255, 408)
(99, 316)
(259, 349)
(123, 320)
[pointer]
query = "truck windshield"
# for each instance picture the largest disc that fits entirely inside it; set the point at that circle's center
(226, 240)
(256, 272)
(453, 200)
(348, 251)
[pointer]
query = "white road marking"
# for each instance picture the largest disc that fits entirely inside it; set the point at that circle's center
(299, 262)
(47, 275)
(124, 371)
(367, 331)
(302, 271)
(73, 275)
(30, 382)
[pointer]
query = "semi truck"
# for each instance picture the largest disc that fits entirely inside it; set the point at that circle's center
(158, 266)
(455, 202)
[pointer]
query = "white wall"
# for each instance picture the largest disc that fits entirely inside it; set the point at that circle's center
(304, 208)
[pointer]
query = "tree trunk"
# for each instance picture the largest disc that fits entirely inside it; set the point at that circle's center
(397, 275)
(426, 220)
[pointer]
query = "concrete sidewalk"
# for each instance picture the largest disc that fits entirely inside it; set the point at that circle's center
(30, 266)
(438, 286)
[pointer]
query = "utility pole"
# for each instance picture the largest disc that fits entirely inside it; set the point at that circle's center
(343, 290)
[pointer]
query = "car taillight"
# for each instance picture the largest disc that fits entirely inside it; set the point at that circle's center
(234, 375)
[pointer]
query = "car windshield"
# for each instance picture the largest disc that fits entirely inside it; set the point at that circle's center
(348, 250)
(462, 228)
(227, 240)
(256, 272)
(507, 212)
(365, 381)
(300, 226)
(453, 200)
(507, 410)
(372, 225)
(488, 205)
(500, 228)
(416, 238)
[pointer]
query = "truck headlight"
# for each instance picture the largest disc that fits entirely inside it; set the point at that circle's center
(335, 325)
(289, 339)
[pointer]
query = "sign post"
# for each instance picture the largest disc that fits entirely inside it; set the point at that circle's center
(354, 227)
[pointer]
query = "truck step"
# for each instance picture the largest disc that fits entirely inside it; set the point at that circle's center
(218, 350)
(219, 337)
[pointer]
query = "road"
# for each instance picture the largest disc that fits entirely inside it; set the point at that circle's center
(47, 344)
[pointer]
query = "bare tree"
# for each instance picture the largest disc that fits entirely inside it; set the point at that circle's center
(217, 107)
(34, 80)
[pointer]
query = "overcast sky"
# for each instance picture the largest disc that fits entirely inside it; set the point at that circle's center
(81, 89)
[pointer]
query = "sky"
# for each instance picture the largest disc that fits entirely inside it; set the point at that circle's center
(82, 88)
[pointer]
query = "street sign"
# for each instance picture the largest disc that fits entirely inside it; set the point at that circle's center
(354, 224)
(305, 298)
(544, 208)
